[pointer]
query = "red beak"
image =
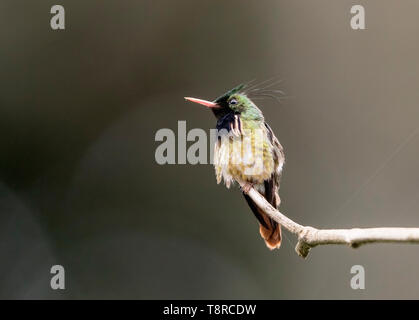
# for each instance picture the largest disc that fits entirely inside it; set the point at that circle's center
(206, 103)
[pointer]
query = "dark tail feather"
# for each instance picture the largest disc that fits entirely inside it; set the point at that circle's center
(255, 210)
(269, 229)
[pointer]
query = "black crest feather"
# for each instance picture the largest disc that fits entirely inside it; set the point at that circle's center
(225, 96)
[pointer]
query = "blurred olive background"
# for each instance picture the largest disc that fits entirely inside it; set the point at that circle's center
(79, 109)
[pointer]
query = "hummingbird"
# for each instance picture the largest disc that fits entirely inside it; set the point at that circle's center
(247, 151)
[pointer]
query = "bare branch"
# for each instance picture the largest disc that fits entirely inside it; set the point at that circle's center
(309, 237)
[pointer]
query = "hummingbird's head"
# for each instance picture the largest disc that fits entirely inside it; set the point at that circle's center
(234, 101)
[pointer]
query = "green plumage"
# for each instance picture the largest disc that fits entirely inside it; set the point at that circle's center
(248, 152)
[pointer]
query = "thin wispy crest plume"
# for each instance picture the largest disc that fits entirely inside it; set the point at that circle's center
(264, 89)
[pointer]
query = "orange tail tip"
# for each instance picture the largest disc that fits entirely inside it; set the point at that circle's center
(269, 229)
(272, 236)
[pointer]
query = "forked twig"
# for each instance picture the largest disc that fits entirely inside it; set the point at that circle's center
(309, 237)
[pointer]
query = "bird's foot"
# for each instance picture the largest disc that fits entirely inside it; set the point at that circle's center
(246, 187)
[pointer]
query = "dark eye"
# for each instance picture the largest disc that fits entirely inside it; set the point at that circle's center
(233, 101)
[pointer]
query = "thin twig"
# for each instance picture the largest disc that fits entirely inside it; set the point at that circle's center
(309, 237)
